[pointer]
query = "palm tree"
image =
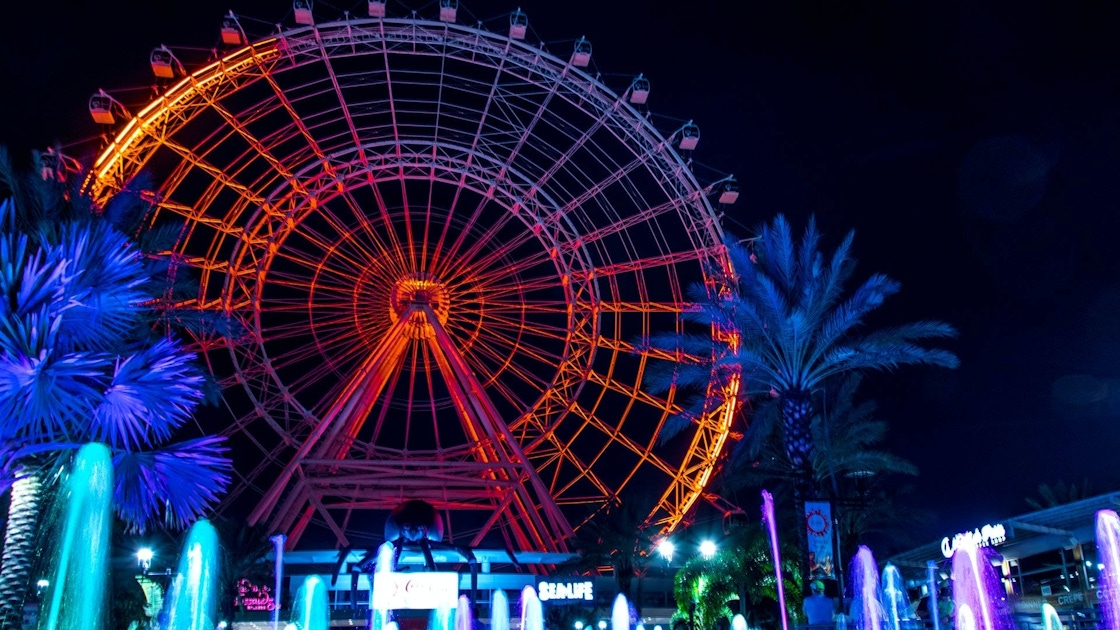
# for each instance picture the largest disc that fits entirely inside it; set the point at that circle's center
(796, 328)
(1059, 494)
(618, 537)
(81, 362)
(743, 569)
(792, 326)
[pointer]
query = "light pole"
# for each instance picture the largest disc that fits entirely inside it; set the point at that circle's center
(144, 558)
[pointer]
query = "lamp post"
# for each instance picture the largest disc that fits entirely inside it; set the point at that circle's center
(144, 558)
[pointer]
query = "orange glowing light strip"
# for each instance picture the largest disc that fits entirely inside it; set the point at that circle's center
(185, 89)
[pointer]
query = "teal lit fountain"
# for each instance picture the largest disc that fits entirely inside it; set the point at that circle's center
(193, 603)
(896, 604)
(499, 611)
(532, 614)
(311, 610)
(75, 597)
(620, 613)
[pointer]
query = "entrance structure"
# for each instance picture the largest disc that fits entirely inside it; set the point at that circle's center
(443, 245)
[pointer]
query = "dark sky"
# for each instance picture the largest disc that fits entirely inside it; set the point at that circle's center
(974, 147)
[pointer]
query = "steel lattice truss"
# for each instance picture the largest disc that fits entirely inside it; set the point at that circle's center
(443, 244)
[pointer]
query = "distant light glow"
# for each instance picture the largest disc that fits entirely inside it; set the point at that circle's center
(602, 625)
(42, 583)
(578, 625)
(145, 555)
(666, 548)
(707, 549)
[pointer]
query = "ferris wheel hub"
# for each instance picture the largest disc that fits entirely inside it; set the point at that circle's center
(419, 289)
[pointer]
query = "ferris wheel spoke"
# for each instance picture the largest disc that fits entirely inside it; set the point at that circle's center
(384, 250)
(491, 269)
(644, 452)
(505, 363)
(217, 175)
(638, 395)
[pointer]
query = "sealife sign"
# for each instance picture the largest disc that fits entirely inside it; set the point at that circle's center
(415, 591)
(565, 591)
(986, 536)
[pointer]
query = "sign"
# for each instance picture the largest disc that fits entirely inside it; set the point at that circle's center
(249, 596)
(986, 536)
(818, 525)
(566, 591)
(415, 591)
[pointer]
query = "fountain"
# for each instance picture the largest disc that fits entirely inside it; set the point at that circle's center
(464, 618)
(1050, 618)
(965, 619)
(738, 622)
(386, 554)
(499, 611)
(75, 596)
(866, 611)
(192, 603)
(1108, 553)
(775, 554)
(532, 615)
(620, 613)
(311, 611)
(896, 604)
(977, 588)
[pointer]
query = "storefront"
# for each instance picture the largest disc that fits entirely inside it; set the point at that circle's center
(1046, 556)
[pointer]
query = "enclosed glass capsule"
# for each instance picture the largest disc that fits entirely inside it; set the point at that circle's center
(690, 136)
(376, 8)
(581, 53)
(518, 24)
(448, 10)
(232, 35)
(639, 90)
(302, 9)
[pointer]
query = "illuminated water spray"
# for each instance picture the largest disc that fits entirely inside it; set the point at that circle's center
(775, 554)
(311, 611)
(620, 613)
(464, 618)
(532, 615)
(867, 610)
(1108, 552)
(380, 618)
(976, 586)
(75, 598)
(1050, 618)
(499, 611)
(896, 604)
(193, 601)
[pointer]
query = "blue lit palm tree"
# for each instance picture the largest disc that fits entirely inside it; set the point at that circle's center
(797, 326)
(80, 362)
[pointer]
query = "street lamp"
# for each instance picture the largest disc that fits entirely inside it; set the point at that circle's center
(666, 548)
(578, 625)
(602, 625)
(708, 549)
(144, 558)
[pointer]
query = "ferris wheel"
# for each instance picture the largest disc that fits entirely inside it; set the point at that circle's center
(443, 244)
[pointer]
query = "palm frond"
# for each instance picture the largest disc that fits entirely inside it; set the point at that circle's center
(182, 480)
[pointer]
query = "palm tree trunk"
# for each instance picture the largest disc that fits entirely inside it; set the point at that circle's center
(797, 413)
(20, 538)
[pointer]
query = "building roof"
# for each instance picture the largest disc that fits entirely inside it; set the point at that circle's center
(1059, 527)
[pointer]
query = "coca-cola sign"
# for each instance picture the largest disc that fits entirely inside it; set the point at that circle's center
(415, 591)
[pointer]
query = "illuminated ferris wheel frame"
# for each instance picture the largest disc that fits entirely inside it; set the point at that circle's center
(346, 305)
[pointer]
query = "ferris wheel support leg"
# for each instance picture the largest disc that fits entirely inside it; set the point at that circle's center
(474, 402)
(351, 407)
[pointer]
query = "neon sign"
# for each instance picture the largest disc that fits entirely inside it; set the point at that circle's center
(253, 597)
(986, 536)
(570, 591)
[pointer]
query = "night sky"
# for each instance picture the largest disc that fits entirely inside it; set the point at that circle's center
(974, 149)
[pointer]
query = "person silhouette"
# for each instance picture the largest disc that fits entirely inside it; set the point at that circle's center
(819, 609)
